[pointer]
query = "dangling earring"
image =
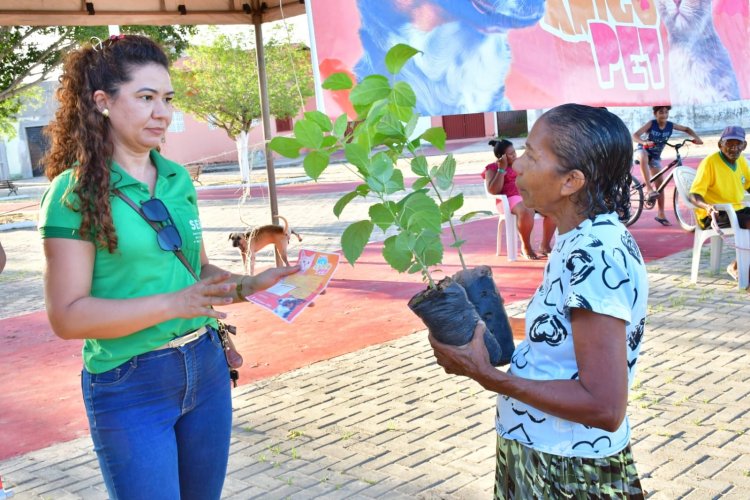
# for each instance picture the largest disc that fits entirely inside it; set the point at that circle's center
(105, 112)
(163, 140)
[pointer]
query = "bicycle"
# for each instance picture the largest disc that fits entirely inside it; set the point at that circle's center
(685, 214)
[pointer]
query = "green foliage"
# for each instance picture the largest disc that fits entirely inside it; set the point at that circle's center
(385, 124)
(9, 110)
(30, 54)
(218, 83)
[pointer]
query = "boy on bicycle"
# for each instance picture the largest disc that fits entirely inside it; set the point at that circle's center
(651, 138)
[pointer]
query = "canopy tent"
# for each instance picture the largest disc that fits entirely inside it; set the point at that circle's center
(165, 12)
(145, 12)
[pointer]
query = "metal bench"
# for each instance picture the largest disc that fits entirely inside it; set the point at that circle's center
(8, 184)
(195, 170)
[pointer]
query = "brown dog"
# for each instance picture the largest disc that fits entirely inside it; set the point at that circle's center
(252, 241)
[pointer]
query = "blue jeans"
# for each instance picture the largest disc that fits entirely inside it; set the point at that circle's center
(161, 422)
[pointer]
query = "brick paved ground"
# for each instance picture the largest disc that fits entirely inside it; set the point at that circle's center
(386, 422)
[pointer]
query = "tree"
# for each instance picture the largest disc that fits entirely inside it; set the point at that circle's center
(29, 55)
(218, 83)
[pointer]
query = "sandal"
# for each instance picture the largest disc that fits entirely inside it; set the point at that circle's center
(529, 256)
(662, 221)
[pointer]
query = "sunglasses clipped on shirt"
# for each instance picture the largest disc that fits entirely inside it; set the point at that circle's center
(168, 237)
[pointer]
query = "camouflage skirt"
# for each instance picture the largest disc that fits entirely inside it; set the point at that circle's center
(524, 473)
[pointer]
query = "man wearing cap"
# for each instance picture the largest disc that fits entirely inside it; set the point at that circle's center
(723, 177)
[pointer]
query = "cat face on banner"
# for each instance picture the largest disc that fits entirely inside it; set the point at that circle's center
(305, 261)
(700, 66)
(688, 15)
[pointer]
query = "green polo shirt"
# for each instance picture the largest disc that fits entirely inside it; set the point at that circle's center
(138, 267)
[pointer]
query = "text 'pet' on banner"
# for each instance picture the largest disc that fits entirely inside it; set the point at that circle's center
(497, 55)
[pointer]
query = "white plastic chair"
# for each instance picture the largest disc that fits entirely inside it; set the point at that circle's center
(683, 178)
(511, 225)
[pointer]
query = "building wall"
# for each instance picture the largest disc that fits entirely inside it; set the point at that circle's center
(198, 141)
(17, 149)
(707, 118)
(187, 140)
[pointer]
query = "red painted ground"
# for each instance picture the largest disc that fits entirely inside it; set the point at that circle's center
(313, 188)
(40, 402)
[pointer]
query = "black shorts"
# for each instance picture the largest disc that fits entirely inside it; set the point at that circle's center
(722, 219)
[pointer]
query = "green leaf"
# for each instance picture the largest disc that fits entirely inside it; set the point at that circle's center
(372, 88)
(397, 56)
(382, 216)
(389, 125)
(308, 133)
(403, 95)
(405, 241)
(471, 215)
(329, 141)
(397, 258)
(363, 190)
(420, 212)
(342, 202)
(362, 137)
(395, 183)
(362, 110)
(315, 163)
(458, 243)
(415, 268)
(357, 155)
(380, 172)
(444, 174)
(339, 126)
(403, 113)
(286, 146)
(420, 183)
(338, 81)
(450, 206)
(376, 112)
(419, 166)
(320, 119)
(429, 248)
(435, 136)
(355, 238)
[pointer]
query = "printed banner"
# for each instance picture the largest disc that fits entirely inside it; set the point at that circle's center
(497, 55)
(289, 297)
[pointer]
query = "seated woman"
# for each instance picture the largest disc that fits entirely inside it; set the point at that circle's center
(500, 178)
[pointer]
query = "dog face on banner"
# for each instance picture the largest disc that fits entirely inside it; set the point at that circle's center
(465, 54)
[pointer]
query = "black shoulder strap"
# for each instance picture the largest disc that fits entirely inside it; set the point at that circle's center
(156, 228)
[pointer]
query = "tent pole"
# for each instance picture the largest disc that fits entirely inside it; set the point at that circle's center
(266, 113)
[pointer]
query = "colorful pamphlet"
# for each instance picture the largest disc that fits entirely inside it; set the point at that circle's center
(289, 297)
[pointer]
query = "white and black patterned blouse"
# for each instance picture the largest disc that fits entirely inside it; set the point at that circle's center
(596, 266)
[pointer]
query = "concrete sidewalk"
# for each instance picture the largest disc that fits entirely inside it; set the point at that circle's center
(387, 422)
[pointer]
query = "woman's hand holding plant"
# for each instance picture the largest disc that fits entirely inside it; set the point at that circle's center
(470, 360)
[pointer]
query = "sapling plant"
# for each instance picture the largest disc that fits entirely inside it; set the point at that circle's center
(381, 138)
(379, 143)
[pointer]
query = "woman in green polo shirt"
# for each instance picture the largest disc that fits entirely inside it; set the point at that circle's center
(155, 381)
